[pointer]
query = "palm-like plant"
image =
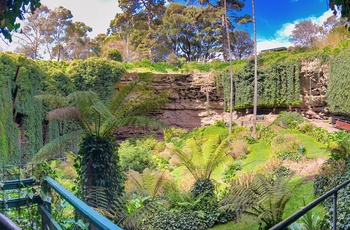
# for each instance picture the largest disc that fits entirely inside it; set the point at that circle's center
(97, 160)
(149, 182)
(201, 156)
(264, 198)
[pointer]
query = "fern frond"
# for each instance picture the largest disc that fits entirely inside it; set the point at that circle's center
(65, 113)
(56, 101)
(149, 104)
(83, 100)
(121, 97)
(52, 149)
(265, 198)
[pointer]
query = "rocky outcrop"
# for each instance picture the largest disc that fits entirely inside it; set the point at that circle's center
(313, 87)
(195, 101)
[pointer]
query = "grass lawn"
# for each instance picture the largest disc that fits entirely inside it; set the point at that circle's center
(313, 147)
(245, 223)
(259, 153)
(303, 192)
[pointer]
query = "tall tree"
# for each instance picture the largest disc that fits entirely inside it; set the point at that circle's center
(305, 33)
(77, 43)
(10, 11)
(147, 14)
(255, 109)
(242, 46)
(33, 32)
(58, 22)
(231, 6)
(191, 32)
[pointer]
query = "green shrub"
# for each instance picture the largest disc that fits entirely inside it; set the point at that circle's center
(114, 54)
(136, 157)
(265, 133)
(287, 147)
(231, 171)
(196, 65)
(163, 67)
(334, 137)
(290, 120)
(306, 127)
(173, 60)
(186, 210)
(170, 133)
(320, 134)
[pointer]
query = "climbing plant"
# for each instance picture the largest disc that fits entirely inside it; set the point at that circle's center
(278, 85)
(338, 90)
(21, 115)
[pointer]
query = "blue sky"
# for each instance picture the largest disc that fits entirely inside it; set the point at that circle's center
(275, 18)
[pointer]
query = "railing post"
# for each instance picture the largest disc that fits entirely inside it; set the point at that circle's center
(335, 196)
(46, 195)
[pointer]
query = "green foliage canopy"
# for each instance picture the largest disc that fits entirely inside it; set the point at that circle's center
(10, 11)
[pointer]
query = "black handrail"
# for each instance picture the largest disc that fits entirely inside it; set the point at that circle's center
(285, 223)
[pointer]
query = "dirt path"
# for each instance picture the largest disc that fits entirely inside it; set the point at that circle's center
(307, 168)
(324, 124)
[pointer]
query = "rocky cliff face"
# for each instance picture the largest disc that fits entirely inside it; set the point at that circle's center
(195, 101)
(313, 87)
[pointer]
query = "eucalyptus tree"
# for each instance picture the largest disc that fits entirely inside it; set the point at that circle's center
(97, 161)
(59, 19)
(145, 17)
(242, 45)
(32, 33)
(223, 8)
(191, 32)
(255, 109)
(77, 43)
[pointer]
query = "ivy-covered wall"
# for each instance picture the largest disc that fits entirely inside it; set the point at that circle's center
(23, 132)
(338, 93)
(278, 85)
(21, 116)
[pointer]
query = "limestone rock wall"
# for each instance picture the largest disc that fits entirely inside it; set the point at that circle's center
(313, 87)
(195, 101)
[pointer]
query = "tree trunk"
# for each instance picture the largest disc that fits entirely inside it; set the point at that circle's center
(224, 36)
(255, 73)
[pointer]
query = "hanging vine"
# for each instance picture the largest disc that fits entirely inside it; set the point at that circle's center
(278, 85)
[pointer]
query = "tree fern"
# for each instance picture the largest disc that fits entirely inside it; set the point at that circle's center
(149, 182)
(202, 157)
(98, 120)
(264, 198)
(52, 149)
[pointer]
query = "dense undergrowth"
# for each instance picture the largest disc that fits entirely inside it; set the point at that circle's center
(164, 189)
(198, 180)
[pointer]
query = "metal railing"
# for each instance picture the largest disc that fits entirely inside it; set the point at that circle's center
(7, 224)
(13, 179)
(97, 220)
(334, 192)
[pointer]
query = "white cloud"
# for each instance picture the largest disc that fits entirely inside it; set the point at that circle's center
(94, 13)
(281, 37)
